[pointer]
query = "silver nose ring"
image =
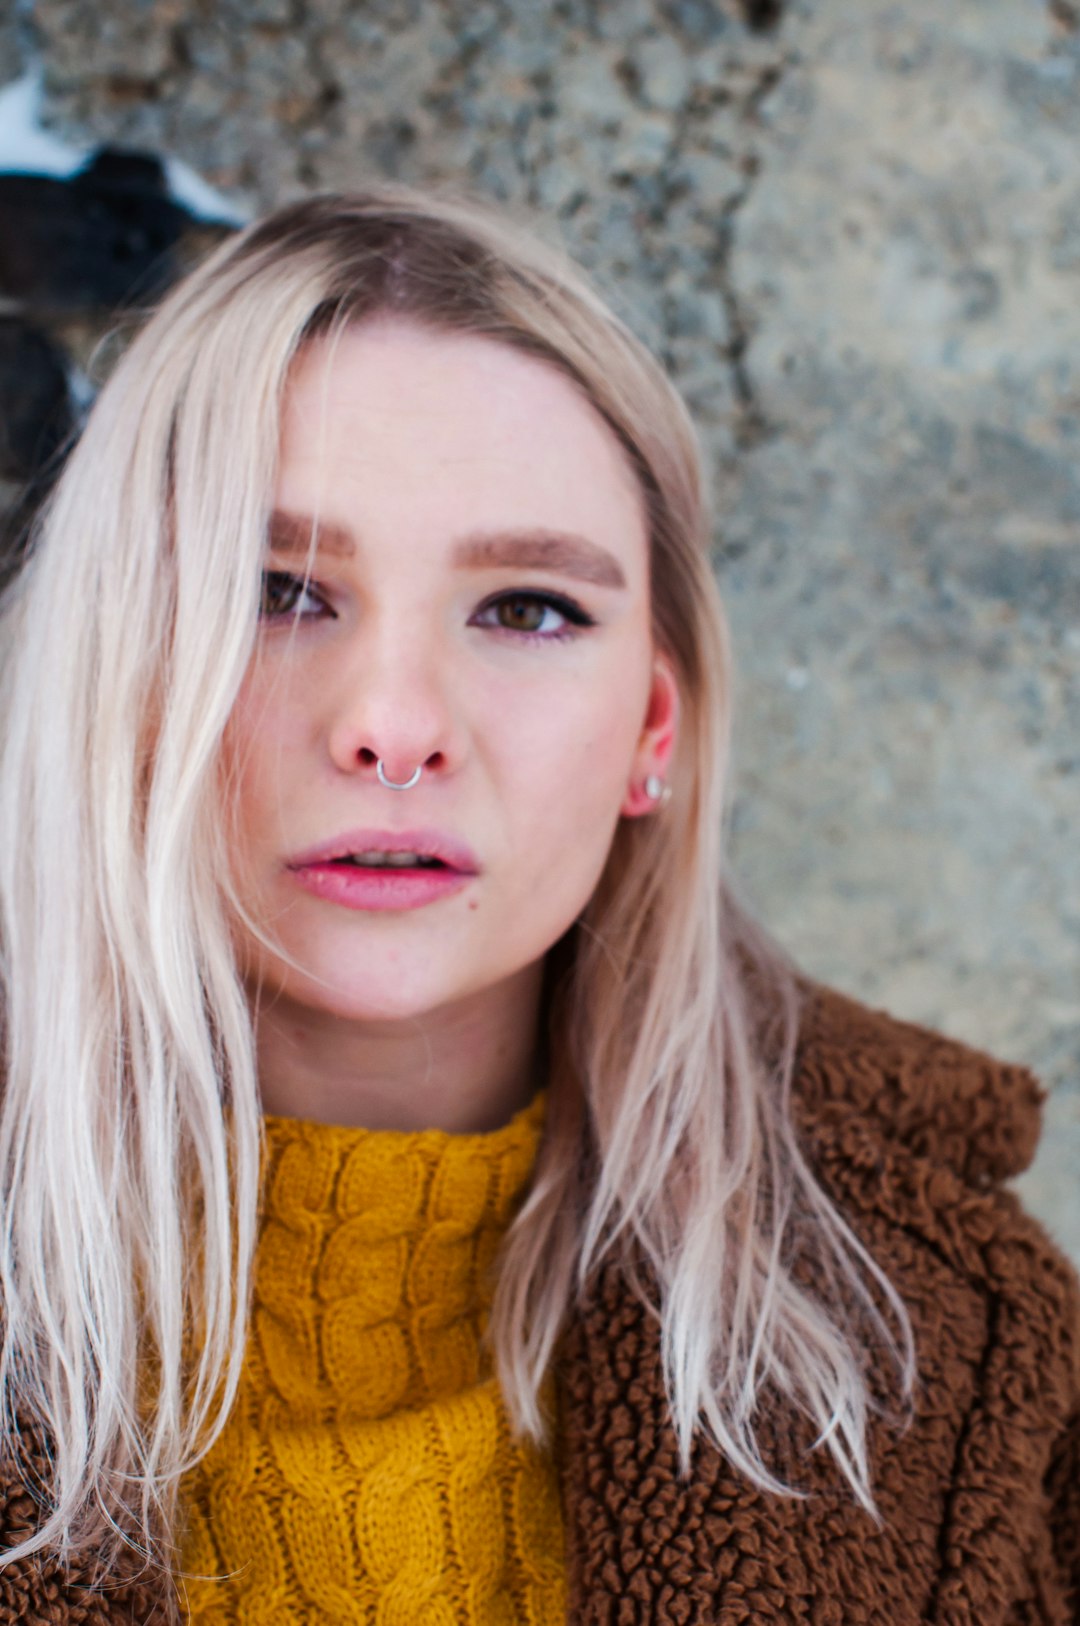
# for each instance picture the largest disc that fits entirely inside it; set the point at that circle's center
(390, 783)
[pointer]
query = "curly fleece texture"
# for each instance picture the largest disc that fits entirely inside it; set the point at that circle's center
(979, 1496)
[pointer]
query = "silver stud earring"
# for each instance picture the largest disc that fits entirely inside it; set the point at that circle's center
(656, 790)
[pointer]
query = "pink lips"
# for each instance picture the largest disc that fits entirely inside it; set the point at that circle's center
(429, 843)
(359, 888)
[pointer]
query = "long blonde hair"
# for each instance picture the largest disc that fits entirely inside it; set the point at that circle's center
(130, 1129)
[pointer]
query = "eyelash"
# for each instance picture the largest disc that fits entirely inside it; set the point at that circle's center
(280, 579)
(574, 615)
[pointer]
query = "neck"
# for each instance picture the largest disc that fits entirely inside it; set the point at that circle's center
(466, 1068)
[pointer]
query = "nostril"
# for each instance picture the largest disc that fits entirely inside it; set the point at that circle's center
(371, 758)
(366, 756)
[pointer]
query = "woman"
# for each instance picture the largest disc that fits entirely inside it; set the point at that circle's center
(366, 923)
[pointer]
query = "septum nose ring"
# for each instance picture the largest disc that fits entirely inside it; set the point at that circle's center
(391, 784)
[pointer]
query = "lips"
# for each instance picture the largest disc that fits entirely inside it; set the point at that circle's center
(427, 843)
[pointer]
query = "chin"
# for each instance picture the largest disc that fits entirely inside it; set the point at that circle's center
(368, 1008)
(359, 997)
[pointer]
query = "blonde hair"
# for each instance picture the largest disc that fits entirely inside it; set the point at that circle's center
(130, 1125)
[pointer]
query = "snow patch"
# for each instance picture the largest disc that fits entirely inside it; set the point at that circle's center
(198, 197)
(25, 148)
(28, 149)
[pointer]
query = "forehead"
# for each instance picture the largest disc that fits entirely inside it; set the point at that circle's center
(391, 416)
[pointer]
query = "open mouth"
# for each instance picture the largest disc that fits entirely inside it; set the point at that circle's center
(396, 861)
(375, 878)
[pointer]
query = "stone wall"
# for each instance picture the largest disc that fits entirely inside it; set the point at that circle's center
(853, 233)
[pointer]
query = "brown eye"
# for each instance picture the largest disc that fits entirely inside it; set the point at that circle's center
(531, 616)
(282, 593)
(522, 614)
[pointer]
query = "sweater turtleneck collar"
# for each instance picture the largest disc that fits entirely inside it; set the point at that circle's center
(383, 1241)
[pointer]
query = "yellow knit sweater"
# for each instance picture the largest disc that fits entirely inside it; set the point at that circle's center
(367, 1472)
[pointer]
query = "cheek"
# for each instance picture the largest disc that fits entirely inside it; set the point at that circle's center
(564, 729)
(259, 740)
(566, 767)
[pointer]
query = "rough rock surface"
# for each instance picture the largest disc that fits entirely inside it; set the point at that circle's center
(904, 567)
(853, 232)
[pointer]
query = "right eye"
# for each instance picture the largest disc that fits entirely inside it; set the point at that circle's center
(282, 593)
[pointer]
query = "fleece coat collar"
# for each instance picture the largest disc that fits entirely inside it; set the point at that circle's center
(979, 1495)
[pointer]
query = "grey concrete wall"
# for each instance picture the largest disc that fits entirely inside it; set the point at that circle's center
(855, 239)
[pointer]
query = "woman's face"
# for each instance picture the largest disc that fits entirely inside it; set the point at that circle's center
(479, 608)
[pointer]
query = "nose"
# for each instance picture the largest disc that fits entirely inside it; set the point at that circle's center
(392, 714)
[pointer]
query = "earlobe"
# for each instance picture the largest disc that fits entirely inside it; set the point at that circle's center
(646, 795)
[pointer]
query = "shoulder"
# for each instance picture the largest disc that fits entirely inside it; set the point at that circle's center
(931, 1096)
(913, 1136)
(916, 1136)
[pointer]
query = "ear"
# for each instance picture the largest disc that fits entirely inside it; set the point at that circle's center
(656, 745)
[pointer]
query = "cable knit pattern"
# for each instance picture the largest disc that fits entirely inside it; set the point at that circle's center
(367, 1472)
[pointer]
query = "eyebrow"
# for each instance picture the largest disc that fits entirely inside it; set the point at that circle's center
(295, 533)
(563, 552)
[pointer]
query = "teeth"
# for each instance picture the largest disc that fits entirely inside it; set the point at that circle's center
(380, 860)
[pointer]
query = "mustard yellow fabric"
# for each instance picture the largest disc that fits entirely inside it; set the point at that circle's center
(367, 1472)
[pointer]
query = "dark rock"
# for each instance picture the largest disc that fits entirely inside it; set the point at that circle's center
(762, 15)
(96, 242)
(35, 407)
(37, 425)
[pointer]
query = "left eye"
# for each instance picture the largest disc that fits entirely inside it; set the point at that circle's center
(282, 594)
(541, 614)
